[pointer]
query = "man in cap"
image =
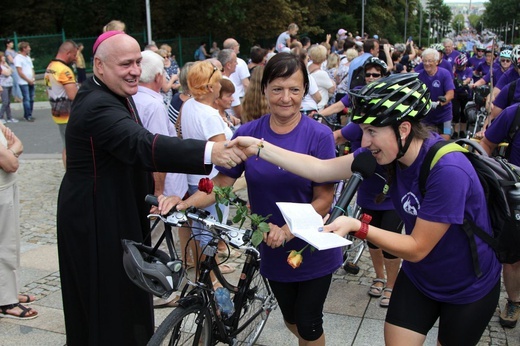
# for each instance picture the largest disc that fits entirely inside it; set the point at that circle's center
(110, 160)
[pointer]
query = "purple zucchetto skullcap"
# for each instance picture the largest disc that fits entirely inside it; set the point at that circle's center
(103, 37)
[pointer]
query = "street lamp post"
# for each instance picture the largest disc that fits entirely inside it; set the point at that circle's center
(429, 26)
(420, 24)
(362, 17)
(405, 20)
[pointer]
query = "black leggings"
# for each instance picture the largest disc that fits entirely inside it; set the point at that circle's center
(458, 104)
(302, 303)
(387, 220)
(459, 324)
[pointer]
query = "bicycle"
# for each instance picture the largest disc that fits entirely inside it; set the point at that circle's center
(197, 319)
(475, 110)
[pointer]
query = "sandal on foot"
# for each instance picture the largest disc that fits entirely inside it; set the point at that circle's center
(226, 268)
(384, 301)
(26, 314)
(26, 299)
(376, 291)
(233, 254)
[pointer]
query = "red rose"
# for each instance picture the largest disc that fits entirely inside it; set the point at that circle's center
(206, 185)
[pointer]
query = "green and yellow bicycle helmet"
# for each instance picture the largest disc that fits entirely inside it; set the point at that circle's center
(391, 100)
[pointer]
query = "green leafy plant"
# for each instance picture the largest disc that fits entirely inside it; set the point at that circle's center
(226, 196)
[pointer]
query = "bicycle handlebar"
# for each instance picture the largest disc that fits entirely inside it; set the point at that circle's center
(237, 237)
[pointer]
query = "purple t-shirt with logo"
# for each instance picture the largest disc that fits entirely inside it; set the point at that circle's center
(451, 57)
(372, 186)
(482, 69)
(502, 102)
(453, 192)
(268, 184)
(498, 131)
(509, 76)
(438, 84)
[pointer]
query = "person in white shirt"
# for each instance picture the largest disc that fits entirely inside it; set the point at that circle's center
(25, 68)
(240, 77)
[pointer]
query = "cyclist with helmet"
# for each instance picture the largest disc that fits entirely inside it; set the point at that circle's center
(462, 78)
(511, 74)
(496, 133)
(374, 69)
(440, 84)
(386, 266)
(483, 68)
(441, 63)
(498, 71)
(478, 57)
(437, 279)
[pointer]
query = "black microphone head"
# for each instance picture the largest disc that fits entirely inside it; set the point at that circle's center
(364, 163)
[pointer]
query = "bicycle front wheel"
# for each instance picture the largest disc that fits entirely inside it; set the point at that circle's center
(185, 326)
(258, 303)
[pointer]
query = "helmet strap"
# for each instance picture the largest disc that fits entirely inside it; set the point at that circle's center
(402, 148)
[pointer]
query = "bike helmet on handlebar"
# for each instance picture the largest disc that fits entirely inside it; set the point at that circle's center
(515, 56)
(461, 60)
(151, 269)
(390, 101)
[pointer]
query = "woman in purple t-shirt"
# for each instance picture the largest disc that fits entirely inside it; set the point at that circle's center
(437, 279)
(440, 84)
(300, 292)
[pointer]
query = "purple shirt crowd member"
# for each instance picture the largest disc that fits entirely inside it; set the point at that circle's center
(507, 77)
(483, 68)
(300, 291)
(477, 58)
(503, 65)
(496, 133)
(440, 83)
(502, 102)
(450, 53)
(437, 280)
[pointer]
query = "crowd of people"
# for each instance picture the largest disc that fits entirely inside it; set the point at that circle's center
(141, 124)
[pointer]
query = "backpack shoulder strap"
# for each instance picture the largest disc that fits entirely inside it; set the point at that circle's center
(511, 92)
(433, 155)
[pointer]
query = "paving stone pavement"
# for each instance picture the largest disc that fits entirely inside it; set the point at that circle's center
(351, 317)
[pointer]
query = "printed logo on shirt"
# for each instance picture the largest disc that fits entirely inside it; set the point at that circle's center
(436, 83)
(410, 203)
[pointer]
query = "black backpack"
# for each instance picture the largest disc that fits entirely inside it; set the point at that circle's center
(501, 183)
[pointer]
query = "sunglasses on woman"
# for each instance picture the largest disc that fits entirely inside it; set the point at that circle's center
(375, 75)
(505, 60)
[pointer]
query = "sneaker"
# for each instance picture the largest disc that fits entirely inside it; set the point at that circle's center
(29, 119)
(13, 120)
(510, 314)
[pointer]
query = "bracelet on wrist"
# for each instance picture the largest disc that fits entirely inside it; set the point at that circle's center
(260, 147)
(363, 230)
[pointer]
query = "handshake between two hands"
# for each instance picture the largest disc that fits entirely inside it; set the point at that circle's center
(231, 153)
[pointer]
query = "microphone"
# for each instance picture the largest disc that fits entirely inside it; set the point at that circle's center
(363, 166)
